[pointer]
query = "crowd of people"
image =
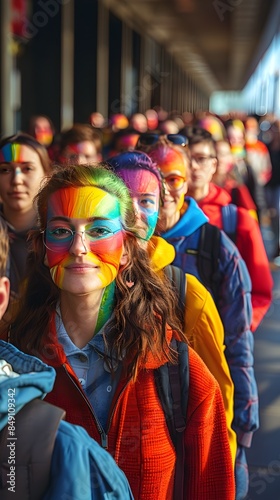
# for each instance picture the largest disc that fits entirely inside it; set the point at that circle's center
(134, 276)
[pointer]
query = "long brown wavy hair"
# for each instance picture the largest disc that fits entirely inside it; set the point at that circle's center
(142, 312)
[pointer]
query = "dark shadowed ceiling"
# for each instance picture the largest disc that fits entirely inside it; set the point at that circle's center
(218, 42)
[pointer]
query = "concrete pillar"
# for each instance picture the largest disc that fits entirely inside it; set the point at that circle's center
(102, 60)
(7, 62)
(128, 94)
(67, 64)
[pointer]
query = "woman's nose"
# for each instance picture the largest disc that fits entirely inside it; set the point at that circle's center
(166, 187)
(136, 207)
(17, 176)
(78, 245)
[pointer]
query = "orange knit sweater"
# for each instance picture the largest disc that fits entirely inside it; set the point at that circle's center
(138, 437)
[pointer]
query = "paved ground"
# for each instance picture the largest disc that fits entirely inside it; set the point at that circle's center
(264, 455)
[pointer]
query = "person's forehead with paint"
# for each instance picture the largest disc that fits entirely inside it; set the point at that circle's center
(91, 216)
(24, 163)
(143, 180)
(22, 148)
(173, 163)
(16, 153)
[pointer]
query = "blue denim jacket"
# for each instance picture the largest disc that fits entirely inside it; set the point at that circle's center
(80, 468)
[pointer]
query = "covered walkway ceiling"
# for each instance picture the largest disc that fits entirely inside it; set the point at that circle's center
(218, 42)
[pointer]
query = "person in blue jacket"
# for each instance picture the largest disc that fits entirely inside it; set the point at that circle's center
(80, 468)
(181, 222)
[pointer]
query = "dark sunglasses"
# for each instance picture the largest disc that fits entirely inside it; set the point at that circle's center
(151, 139)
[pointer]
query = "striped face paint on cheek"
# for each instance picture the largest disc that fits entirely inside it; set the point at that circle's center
(105, 254)
(11, 153)
(145, 189)
(101, 226)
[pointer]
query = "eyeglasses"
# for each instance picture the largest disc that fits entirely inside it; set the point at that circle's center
(201, 160)
(174, 182)
(151, 139)
(59, 239)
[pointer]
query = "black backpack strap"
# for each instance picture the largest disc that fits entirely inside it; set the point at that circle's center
(35, 429)
(178, 279)
(229, 220)
(208, 256)
(234, 195)
(172, 381)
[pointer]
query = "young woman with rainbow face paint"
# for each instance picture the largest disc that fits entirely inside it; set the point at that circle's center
(145, 184)
(206, 334)
(24, 164)
(96, 311)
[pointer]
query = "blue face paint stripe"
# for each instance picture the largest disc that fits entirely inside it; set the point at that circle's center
(17, 171)
(7, 152)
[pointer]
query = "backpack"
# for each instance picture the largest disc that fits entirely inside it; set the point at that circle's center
(172, 382)
(36, 426)
(177, 277)
(229, 221)
(208, 257)
(209, 247)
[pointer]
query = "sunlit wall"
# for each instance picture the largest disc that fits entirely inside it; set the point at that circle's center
(262, 90)
(261, 95)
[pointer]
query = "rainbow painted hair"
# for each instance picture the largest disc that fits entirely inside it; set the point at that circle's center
(130, 160)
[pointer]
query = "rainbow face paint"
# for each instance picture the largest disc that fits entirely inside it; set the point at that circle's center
(170, 161)
(81, 152)
(94, 217)
(11, 153)
(145, 192)
(75, 149)
(45, 137)
(21, 173)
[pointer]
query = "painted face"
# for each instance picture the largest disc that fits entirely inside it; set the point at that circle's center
(84, 239)
(43, 131)
(21, 173)
(145, 192)
(79, 153)
(127, 142)
(175, 172)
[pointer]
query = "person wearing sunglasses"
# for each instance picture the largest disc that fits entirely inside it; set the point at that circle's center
(147, 140)
(182, 223)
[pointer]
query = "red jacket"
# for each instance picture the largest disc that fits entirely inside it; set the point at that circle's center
(240, 196)
(138, 436)
(250, 245)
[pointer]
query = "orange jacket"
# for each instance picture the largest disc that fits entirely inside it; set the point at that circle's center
(138, 437)
(250, 245)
